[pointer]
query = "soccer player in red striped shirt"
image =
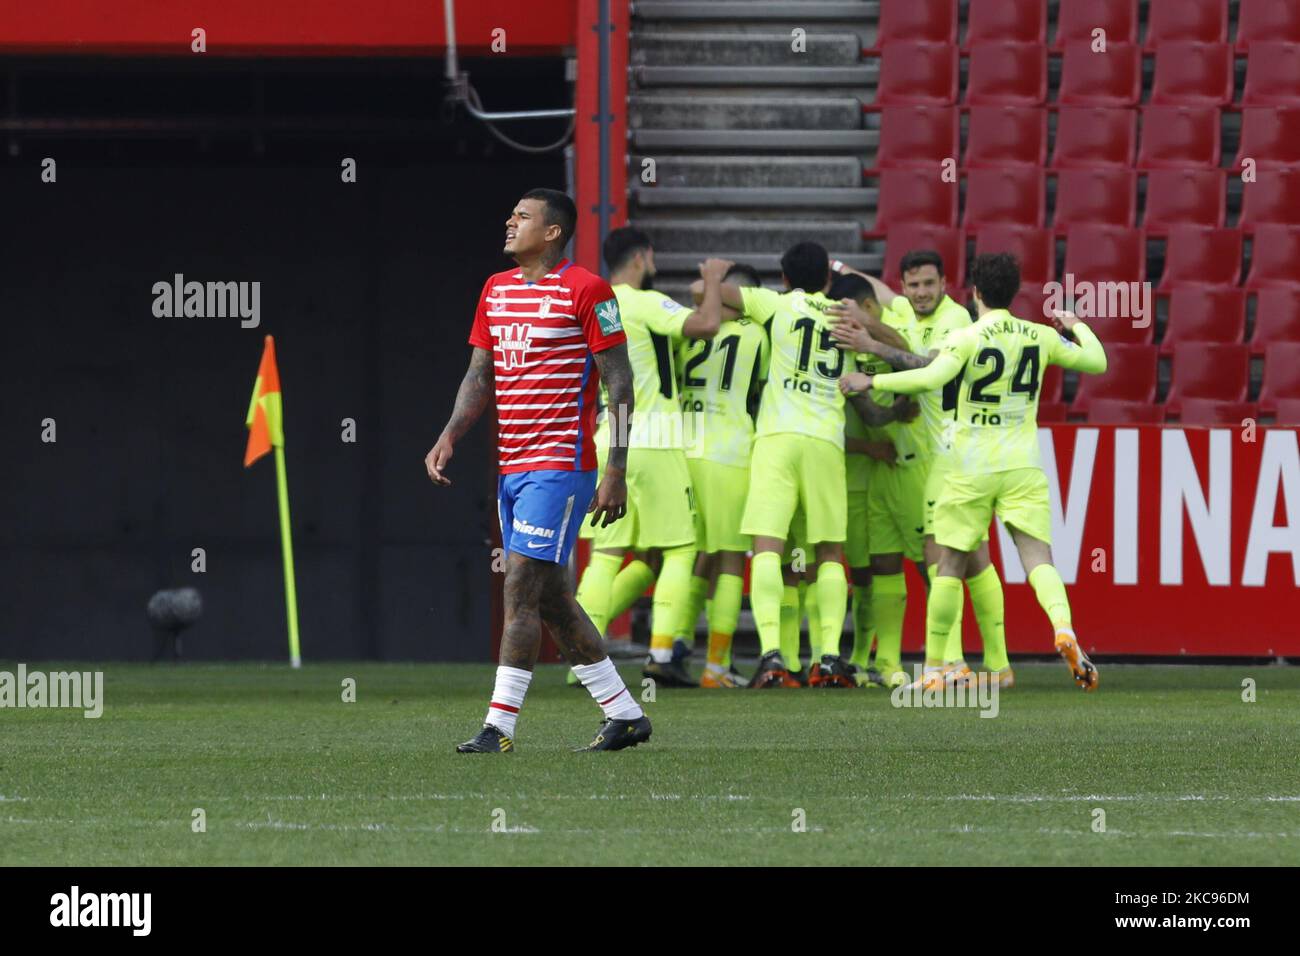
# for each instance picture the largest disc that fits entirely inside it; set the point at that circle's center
(544, 336)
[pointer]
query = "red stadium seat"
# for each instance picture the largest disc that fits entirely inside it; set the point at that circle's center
(1006, 136)
(1176, 137)
(1119, 411)
(1198, 21)
(1270, 136)
(1277, 318)
(1106, 197)
(918, 136)
(1122, 330)
(1185, 197)
(1210, 411)
(1014, 21)
(1007, 74)
(1205, 314)
(1052, 411)
(934, 21)
(1053, 388)
(1130, 374)
(1269, 21)
(1193, 74)
(1199, 256)
(1274, 197)
(1113, 78)
(1275, 257)
(1281, 375)
(915, 196)
(1288, 412)
(1011, 195)
(1034, 248)
(1215, 370)
(1272, 75)
(949, 243)
(917, 74)
(1078, 18)
(1105, 254)
(1028, 304)
(1093, 136)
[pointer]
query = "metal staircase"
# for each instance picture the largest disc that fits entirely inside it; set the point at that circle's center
(756, 133)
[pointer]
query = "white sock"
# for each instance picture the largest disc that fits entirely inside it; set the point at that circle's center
(607, 689)
(661, 655)
(507, 698)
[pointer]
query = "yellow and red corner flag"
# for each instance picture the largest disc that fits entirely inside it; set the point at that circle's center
(265, 422)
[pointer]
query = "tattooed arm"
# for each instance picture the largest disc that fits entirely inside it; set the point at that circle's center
(610, 500)
(476, 390)
(872, 412)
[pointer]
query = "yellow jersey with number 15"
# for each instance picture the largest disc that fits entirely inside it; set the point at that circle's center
(802, 394)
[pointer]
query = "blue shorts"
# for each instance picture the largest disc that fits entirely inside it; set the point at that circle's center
(540, 511)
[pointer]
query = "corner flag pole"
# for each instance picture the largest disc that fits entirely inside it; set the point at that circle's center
(265, 423)
(286, 549)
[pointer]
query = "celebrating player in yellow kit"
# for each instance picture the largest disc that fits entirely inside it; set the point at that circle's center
(994, 465)
(903, 498)
(798, 458)
(660, 507)
(721, 379)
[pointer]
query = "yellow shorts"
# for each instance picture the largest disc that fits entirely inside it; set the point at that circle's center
(791, 472)
(660, 504)
(857, 548)
(720, 492)
(896, 511)
(934, 482)
(967, 504)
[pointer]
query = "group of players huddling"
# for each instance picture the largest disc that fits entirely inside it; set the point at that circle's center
(836, 421)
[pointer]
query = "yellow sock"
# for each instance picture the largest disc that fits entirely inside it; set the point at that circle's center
(941, 610)
(832, 600)
(889, 598)
(790, 618)
(594, 591)
(812, 612)
(724, 610)
(697, 596)
(765, 599)
(672, 591)
(864, 629)
(986, 597)
(1050, 591)
(629, 584)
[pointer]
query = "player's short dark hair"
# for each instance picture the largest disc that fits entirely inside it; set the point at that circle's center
(996, 277)
(746, 273)
(560, 211)
(852, 287)
(622, 244)
(915, 258)
(807, 266)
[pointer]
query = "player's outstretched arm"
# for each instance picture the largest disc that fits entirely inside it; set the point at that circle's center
(939, 371)
(610, 501)
(471, 399)
(1089, 357)
(705, 321)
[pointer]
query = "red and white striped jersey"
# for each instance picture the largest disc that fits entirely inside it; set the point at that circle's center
(543, 336)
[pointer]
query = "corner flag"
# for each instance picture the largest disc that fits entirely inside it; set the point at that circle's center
(265, 423)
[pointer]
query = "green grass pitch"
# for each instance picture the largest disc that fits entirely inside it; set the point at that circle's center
(287, 773)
